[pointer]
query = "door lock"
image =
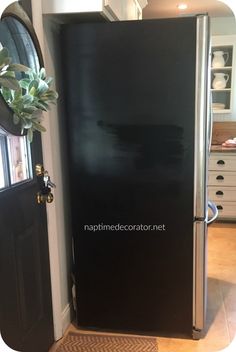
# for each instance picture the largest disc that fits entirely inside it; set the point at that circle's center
(45, 183)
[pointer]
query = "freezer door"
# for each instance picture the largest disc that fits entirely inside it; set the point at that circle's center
(199, 276)
(201, 117)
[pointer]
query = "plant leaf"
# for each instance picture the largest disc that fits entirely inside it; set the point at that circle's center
(24, 83)
(6, 93)
(27, 123)
(16, 119)
(30, 135)
(33, 86)
(41, 105)
(27, 99)
(42, 87)
(9, 82)
(18, 68)
(4, 55)
(17, 94)
(7, 74)
(42, 73)
(39, 127)
(49, 80)
(51, 94)
(29, 110)
(27, 94)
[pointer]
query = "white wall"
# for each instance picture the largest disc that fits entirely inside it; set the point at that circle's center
(60, 162)
(223, 25)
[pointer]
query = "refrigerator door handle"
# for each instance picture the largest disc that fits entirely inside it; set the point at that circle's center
(214, 210)
(202, 118)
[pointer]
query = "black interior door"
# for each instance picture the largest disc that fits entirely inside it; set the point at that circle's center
(25, 296)
(26, 321)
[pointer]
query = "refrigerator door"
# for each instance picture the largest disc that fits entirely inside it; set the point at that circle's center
(200, 277)
(202, 118)
(130, 103)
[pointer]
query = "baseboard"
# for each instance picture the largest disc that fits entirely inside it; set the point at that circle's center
(67, 316)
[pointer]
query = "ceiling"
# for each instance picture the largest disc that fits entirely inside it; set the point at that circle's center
(168, 8)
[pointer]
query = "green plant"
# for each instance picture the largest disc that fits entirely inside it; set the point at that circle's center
(28, 96)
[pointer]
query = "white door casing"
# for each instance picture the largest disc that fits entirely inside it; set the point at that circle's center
(50, 144)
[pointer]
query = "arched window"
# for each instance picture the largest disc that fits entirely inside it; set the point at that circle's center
(16, 35)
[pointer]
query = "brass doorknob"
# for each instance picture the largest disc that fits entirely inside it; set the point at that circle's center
(39, 170)
(45, 183)
(43, 198)
(50, 198)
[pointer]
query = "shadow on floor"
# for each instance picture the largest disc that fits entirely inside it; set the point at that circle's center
(218, 290)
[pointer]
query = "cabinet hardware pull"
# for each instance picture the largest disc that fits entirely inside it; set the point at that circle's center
(220, 162)
(219, 207)
(219, 193)
(220, 177)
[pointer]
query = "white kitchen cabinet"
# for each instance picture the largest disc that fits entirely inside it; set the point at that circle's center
(223, 98)
(222, 183)
(125, 9)
(110, 9)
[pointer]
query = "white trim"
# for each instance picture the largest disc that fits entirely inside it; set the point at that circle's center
(66, 317)
(51, 210)
(70, 6)
(106, 13)
(142, 3)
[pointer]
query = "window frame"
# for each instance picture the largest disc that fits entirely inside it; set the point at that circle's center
(6, 161)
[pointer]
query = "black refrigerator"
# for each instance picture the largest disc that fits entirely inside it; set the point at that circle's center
(136, 96)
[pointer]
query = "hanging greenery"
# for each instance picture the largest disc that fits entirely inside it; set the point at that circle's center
(28, 96)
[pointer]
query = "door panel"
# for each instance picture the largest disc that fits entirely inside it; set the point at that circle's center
(26, 321)
(25, 296)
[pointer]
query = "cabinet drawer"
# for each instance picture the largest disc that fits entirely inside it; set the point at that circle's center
(222, 162)
(222, 194)
(216, 178)
(226, 210)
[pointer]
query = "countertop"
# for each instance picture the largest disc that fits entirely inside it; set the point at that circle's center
(220, 149)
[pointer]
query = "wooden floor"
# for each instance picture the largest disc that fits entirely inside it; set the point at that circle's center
(221, 314)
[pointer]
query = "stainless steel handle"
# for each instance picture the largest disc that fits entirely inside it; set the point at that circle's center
(214, 210)
(202, 120)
